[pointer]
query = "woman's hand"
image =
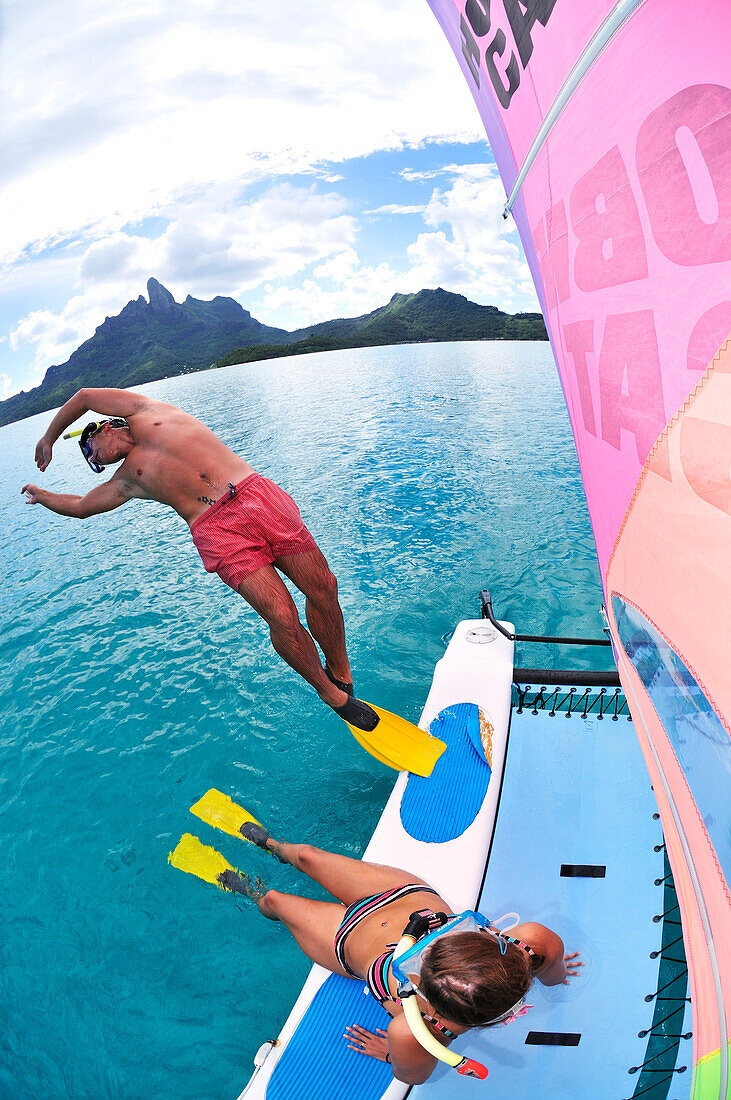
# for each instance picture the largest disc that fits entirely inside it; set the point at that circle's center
(374, 1044)
(570, 965)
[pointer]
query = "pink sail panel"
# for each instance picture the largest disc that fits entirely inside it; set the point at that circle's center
(625, 215)
(613, 123)
(671, 564)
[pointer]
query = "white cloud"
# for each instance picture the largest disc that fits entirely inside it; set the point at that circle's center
(470, 250)
(218, 245)
(203, 251)
(480, 256)
(7, 387)
(182, 112)
(116, 256)
(413, 176)
(356, 289)
(396, 208)
(54, 335)
(341, 266)
(116, 111)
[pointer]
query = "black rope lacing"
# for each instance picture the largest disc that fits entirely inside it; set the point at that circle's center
(659, 1023)
(569, 702)
(667, 1006)
(655, 1084)
(654, 954)
(644, 1066)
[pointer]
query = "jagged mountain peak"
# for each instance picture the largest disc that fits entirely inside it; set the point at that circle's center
(159, 295)
(162, 338)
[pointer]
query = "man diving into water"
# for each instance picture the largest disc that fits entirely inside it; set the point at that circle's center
(245, 527)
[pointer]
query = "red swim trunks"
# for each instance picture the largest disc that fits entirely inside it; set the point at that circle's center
(251, 528)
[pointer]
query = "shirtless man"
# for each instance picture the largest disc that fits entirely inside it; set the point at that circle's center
(244, 526)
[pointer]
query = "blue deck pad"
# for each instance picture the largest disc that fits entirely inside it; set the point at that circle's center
(317, 1063)
(575, 794)
(441, 807)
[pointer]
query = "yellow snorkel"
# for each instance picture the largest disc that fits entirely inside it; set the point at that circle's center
(414, 931)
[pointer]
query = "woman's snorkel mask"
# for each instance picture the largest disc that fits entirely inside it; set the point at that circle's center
(88, 433)
(406, 968)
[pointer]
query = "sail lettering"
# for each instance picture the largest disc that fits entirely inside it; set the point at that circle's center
(683, 160)
(705, 446)
(605, 218)
(709, 333)
(497, 56)
(578, 338)
(505, 84)
(470, 50)
(704, 454)
(478, 14)
(522, 15)
(630, 380)
(684, 165)
(553, 255)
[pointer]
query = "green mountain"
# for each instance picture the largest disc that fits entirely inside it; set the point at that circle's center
(161, 338)
(432, 315)
(421, 318)
(146, 341)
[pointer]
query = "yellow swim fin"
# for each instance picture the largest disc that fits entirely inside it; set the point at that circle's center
(208, 864)
(221, 812)
(399, 744)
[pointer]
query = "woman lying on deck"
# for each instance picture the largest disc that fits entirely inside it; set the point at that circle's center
(461, 980)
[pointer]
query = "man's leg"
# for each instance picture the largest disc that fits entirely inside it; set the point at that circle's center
(312, 575)
(268, 595)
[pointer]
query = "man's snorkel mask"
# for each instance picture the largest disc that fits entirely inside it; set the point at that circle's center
(88, 433)
(406, 968)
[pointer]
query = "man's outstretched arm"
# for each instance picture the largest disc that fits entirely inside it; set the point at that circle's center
(102, 498)
(108, 402)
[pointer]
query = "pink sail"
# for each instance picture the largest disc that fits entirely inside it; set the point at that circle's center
(611, 123)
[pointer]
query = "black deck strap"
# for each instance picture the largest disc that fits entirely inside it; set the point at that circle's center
(583, 870)
(552, 1039)
(582, 677)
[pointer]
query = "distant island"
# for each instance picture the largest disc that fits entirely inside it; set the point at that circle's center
(162, 338)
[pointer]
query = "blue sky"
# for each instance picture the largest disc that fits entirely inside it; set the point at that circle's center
(308, 160)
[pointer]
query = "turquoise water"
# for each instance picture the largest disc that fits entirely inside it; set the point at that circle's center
(133, 681)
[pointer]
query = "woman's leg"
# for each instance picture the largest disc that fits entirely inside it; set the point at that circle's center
(345, 878)
(312, 923)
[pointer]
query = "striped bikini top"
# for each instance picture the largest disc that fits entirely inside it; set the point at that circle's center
(376, 977)
(535, 960)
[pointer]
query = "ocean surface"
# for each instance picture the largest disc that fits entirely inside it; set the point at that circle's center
(132, 681)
